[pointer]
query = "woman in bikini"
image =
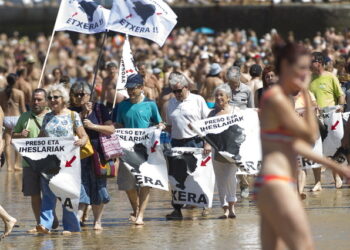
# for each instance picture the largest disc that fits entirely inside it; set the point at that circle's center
(284, 135)
(13, 104)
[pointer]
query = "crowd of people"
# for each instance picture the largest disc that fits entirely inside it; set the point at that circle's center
(192, 77)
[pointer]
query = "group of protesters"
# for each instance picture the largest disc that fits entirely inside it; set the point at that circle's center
(192, 77)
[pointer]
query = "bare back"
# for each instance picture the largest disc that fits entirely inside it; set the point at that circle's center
(14, 104)
(207, 90)
(26, 87)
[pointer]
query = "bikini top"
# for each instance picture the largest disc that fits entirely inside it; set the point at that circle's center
(279, 134)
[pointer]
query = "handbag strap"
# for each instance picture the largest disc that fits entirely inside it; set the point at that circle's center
(36, 121)
(72, 118)
(99, 115)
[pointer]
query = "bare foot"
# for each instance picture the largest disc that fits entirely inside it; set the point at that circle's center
(66, 233)
(98, 226)
(132, 217)
(303, 196)
(32, 231)
(86, 214)
(9, 226)
(139, 221)
(18, 169)
(317, 187)
(338, 182)
(42, 229)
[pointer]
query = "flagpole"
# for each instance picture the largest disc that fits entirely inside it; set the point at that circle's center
(120, 64)
(98, 63)
(46, 57)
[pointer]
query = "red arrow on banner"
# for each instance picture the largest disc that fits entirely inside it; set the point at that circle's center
(69, 163)
(334, 127)
(129, 16)
(153, 148)
(205, 161)
(76, 13)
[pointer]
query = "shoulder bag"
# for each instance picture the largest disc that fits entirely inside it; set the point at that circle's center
(86, 150)
(109, 143)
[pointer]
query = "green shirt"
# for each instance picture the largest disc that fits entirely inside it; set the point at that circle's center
(326, 89)
(26, 121)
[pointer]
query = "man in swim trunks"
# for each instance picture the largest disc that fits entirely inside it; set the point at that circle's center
(211, 82)
(12, 103)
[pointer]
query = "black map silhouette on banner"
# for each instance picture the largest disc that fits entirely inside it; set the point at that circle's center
(144, 10)
(50, 165)
(230, 140)
(135, 158)
(180, 166)
(89, 8)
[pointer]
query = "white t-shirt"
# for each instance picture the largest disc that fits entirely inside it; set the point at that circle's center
(180, 114)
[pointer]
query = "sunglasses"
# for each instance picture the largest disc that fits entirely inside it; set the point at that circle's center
(80, 95)
(177, 91)
(55, 97)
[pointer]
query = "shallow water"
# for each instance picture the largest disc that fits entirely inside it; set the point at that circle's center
(328, 212)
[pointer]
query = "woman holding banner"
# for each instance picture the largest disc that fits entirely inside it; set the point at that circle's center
(225, 172)
(94, 190)
(61, 122)
(283, 136)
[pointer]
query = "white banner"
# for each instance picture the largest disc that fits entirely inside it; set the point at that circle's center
(236, 137)
(83, 16)
(191, 176)
(127, 66)
(308, 164)
(143, 156)
(58, 160)
(333, 133)
(151, 19)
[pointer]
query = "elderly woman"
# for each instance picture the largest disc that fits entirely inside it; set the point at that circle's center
(59, 123)
(94, 190)
(225, 172)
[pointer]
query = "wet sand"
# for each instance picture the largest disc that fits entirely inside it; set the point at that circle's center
(328, 212)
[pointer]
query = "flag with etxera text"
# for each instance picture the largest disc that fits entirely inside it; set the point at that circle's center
(83, 16)
(150, 19)
(58, 161)
(191, 176)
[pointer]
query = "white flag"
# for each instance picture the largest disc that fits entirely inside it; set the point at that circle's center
(127, 66)
(83, 16)
(151, 19)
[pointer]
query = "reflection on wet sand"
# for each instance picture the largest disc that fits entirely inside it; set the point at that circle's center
(328, 212)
